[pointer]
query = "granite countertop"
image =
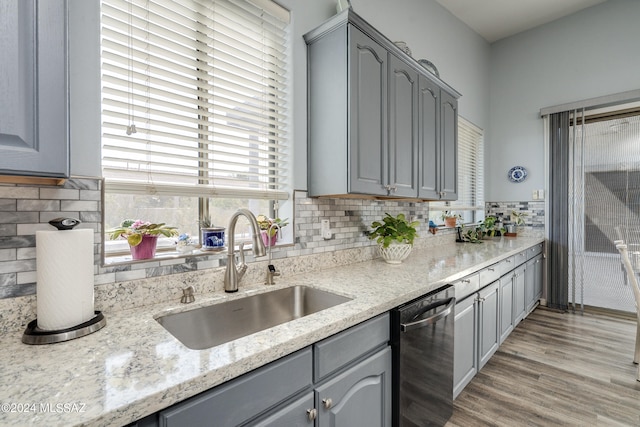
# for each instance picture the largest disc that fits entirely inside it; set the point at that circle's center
(133, 367)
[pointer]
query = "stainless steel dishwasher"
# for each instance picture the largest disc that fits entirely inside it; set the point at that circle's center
(422, 343)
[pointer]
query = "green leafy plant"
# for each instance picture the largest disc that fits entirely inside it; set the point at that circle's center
(489, 227)
(266, 224)
(518, 217)
(470, 235)
(133, 230)
(394, 229)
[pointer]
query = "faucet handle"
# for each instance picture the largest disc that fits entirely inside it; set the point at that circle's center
(187, 295)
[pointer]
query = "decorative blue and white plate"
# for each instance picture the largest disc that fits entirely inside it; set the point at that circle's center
(517, 174)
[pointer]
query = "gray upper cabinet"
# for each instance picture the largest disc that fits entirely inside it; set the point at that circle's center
(34, 138)
(449, 147)
(438, 133)
(367, 127)
(372, 128)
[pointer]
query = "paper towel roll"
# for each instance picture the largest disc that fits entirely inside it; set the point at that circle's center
(64, 289)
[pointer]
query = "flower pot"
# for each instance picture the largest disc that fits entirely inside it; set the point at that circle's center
(269, 240)
(146, 249)
(450, 222)
(395, 253)
(212, 238)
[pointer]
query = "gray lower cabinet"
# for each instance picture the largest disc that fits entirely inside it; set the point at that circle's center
(519, 304)
(299, 413)
(374, 128)
(238, 401)
(342, 380)
(360, 396)
(490, 304)
(488, 322)
(465, 358)
(34, 138)
(506, 306)
(538, 281)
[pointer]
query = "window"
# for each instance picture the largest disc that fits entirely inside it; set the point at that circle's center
(194, 109)
(470, 203)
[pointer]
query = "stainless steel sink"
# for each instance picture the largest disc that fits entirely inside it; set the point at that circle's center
(217, 324)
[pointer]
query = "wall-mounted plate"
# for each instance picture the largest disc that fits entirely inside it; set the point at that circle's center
(517, 174)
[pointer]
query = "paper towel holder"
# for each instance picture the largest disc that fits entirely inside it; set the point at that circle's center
(35, 335)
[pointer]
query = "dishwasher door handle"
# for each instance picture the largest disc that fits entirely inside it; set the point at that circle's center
(449, 302)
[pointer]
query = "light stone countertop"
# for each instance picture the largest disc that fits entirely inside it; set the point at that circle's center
(133, 367)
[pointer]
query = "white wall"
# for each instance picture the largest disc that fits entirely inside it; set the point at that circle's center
(589, 54)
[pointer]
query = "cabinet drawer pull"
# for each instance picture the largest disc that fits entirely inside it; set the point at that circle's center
(491, 269)
(508, 261)
(327, 403)
(312, 414)
(466, 280)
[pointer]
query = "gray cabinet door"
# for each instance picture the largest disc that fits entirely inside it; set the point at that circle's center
(295, 414)
(403, 128)
(538, 277)
(465, 354)
(506, 306)
(368, 115)
(518, 295)
(449, 142)
(488, 323)
(429, 139)
(359, 396)
(34, 137)
(529, 285)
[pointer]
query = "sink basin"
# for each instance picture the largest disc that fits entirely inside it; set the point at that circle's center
(217, 324)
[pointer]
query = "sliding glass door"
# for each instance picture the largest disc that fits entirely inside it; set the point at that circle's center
(604, 206)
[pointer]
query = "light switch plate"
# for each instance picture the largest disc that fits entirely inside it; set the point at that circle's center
(325, 229)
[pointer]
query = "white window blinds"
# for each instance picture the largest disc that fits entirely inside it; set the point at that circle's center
(470, 174)
(194, 98)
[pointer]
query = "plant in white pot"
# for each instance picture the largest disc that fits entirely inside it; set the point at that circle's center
(394, 236)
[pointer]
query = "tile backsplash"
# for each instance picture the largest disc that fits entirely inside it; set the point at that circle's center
(25, 209)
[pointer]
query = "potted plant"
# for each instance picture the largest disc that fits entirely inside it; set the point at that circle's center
(270, 228)
(395, 237)
(517, 219)
(450, 219)
(142, 236)
(490, 226)
(211, 236)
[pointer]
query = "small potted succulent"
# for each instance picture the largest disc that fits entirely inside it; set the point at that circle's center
(395, 235)
(270, 228)
(142, 236)
(450, 219)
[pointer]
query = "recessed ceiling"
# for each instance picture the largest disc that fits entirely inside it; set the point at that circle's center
(497, 19)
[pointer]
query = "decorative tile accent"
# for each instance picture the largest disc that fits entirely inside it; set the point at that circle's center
(534, 221)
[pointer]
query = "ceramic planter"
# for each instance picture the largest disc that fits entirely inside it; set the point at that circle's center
(146, 249)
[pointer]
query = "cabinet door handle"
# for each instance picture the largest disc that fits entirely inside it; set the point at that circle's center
(480, 299)
(327, 403)
(312, 414)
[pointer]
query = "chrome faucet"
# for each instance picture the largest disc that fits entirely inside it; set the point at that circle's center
(234, 272)
(271, 269)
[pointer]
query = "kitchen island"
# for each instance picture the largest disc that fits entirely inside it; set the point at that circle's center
(133, 367)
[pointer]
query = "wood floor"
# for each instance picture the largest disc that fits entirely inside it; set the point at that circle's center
(556, 369)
